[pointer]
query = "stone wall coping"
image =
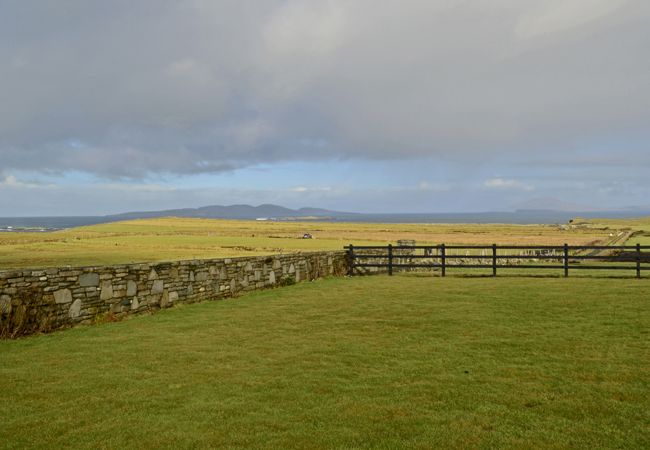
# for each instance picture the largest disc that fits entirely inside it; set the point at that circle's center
(6, 273)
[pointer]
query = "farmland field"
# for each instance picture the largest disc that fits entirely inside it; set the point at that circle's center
(641, 226)
(368, 362)
(174, 238)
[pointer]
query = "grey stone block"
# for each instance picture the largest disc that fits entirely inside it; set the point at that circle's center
(75, 309)
(131, 288)
(89, 279)
(157, 287)
(107, 291)
(62, 296)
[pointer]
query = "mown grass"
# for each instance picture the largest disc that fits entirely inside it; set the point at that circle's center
(174, 239)
(367, 362)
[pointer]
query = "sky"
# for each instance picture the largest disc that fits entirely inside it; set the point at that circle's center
(353, 105)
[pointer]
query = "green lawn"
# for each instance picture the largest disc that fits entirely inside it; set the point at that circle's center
(367, 362)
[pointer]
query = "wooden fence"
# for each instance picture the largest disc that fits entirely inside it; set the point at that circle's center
(444, 257)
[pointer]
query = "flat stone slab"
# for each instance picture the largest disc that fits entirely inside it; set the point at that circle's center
(89, 279)
(75, 309)
(63, 296)
(157, 287)
(107, 291)
(131, 288)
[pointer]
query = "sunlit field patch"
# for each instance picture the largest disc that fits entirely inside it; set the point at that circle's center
(173, 239)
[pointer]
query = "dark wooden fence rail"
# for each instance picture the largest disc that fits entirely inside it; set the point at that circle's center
(445, 257)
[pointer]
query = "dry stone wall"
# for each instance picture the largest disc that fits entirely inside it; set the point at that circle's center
(62, 297)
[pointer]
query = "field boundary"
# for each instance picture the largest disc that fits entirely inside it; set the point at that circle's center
(41, 300)
(390, 258)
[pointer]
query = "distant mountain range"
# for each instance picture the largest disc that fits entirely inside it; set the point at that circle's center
(234, 212)
(244, 212)
(537, 211)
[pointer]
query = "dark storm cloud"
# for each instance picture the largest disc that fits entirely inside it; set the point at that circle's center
(130, 88)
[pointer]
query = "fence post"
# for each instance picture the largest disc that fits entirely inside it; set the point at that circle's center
(566, 260)
(351, 260)
(390, 259)
(443, 259)
(638, 260)
(494, 260)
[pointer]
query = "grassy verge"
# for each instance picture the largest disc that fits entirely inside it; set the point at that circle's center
(372, 362)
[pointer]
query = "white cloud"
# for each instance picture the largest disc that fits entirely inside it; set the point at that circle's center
(502, 183)
(305, 32)
(10, 181)
(554, 16)
(301, 189)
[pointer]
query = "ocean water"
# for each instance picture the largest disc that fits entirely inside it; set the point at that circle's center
(48, 223)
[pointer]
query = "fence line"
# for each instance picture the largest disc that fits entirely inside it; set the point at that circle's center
(391, 257)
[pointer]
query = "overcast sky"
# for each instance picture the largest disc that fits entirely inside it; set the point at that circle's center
(363, 105)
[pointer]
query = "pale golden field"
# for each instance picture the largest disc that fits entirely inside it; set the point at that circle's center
(174, 238)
